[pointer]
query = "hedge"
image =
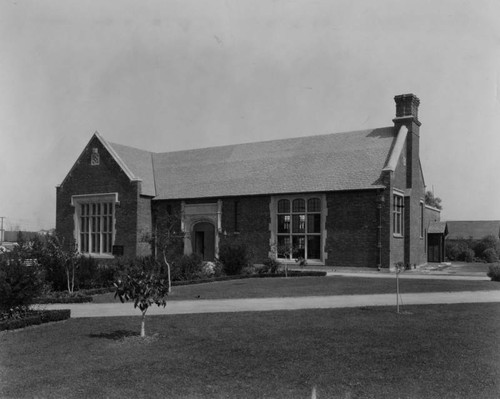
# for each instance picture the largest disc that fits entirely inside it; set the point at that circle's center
(35, 318)
(494, 272)
(61, 299)
(292, 273)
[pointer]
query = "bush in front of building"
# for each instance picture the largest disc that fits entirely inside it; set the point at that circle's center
(187, 267)
(234, 256)
(494, 272)
(487, 249)
(269, 266)
(20, 284)
(490, 255)
(456, 249)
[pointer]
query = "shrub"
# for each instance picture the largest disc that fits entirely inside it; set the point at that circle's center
(86, 272)
(490, 255)
(234, 256)
(211, 269)
(34, 318)
(494, 272)
(64, 297)
(188, 267)
(469, 255)
(455, 250)
(270, 265)
(19, 284)
(489, 242)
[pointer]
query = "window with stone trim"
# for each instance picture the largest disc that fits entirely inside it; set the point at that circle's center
(398, 215)
(299, 228)
(94, 224)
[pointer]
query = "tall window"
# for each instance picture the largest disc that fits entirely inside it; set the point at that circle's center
(397, 215)
(95, 224)
(299, 228)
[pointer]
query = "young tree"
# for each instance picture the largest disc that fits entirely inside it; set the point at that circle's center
(65, 255)
(145, 288)
(169, 242)
(432, 201)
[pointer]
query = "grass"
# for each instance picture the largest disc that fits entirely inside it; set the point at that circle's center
(438, 351)
(313, 286)
(475, 267)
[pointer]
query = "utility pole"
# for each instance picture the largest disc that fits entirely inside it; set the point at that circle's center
(1, 230)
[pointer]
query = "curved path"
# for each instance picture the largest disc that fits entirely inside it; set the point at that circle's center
(268, 304)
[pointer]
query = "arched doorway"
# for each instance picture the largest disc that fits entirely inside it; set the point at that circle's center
(203, 239)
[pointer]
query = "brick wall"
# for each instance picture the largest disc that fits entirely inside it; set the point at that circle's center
(107, 177)
(144, 226)
(352, 228)
(249, 218)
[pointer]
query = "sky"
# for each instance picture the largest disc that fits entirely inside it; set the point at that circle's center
(172, 75)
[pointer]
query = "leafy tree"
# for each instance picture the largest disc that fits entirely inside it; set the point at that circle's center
(169, 242)
(20, 284)
(145, 288)
(65, 255)
(432, 201)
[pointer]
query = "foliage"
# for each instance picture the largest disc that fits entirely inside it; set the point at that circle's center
(488, 242)
(168, 240)
(64, 297)
(469, 255)
(188, 267)
(19, 284)
(494, 272)
(455, 250)
(145, 287)
(211, 269)
(490, 255)
(30, 318)
(66, 257)
(234, 255)
(432, 201)
(270, 265)
(469, 250)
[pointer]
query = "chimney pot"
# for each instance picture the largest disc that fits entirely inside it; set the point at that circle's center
(407, 106)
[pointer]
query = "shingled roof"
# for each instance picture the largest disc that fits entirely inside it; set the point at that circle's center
(341, 161)
(475, 229)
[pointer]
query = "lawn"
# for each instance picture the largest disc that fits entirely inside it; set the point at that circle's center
(436, 351)
(313, 286)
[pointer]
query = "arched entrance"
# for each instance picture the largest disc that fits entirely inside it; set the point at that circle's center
(203, 239)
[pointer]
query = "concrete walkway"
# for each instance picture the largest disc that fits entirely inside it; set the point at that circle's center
(268, 304)
(412, 275)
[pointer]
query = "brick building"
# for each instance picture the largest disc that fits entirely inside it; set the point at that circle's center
(345, 199)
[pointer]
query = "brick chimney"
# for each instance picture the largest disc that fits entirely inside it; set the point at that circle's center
(407, 115)
(407, 109)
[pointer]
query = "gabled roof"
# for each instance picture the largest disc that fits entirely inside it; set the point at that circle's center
(140, 163)
(341, 161)
(437, 228)
(475, 229)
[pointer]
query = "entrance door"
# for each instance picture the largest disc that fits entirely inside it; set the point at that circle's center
(204, 240)
(435, 248)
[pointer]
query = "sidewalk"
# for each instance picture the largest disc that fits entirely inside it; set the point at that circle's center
(268, 304)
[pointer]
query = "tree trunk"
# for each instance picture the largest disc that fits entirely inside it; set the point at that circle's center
(72, 277)
(68, 280)
(143, 323)
(168, 273)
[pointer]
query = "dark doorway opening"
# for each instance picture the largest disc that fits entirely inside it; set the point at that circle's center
(204, 240)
